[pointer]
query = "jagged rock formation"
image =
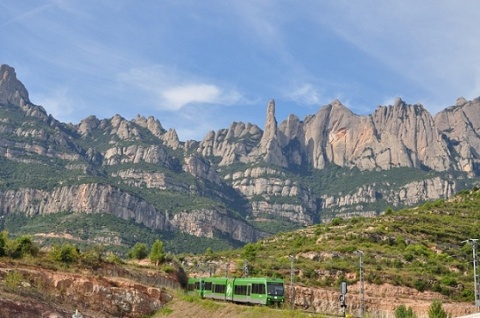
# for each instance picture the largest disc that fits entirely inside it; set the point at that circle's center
(461, 125)
(236, 182)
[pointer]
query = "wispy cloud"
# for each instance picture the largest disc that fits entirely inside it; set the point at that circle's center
(305, 94)
(176, 98)
(25, 15)
(172, 90)
(430, 43)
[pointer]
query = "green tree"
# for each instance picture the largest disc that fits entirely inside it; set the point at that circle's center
(436, 310)
(67, 253)
(94, 255)
(250, 251)
(209, 252)
(26, 246)
(402, 312)
(157, 254)
(3, 242)
(138, 251)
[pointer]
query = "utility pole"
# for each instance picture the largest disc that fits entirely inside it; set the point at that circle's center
(245, 268)
(362, 290)
(292, 271)
(474, 243)
(227, 269)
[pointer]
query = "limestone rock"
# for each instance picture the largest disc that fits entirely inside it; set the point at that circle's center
(269, 148)
(461, 125)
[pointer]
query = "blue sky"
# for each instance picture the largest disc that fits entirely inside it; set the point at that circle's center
(200, 65)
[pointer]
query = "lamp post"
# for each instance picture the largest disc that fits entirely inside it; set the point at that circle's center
(474, 243)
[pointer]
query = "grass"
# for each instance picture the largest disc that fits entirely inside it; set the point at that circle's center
(419, 247)
(193, 304)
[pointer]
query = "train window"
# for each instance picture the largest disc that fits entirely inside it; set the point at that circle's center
(240, 290)
(275, 289)
(258, 288)
(219, 289)
(208, 286)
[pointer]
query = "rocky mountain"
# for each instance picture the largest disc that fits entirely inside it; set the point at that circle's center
(238, 184)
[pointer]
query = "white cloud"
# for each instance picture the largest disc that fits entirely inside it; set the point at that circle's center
(179, 96)
(172, 90)
(305, 94)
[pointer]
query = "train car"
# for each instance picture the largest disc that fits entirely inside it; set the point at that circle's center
(215, 288)
(255, 290)
(196, 284)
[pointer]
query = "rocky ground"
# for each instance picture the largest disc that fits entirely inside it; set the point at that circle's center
(109, 291)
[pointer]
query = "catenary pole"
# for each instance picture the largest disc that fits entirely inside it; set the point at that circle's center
(362, 289)
(292, 271)
(474, 243)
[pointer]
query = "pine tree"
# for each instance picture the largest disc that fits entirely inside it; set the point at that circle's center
(402, 312)
(156, 254)
(436, 310)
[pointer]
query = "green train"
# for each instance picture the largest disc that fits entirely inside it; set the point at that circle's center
(255, 290)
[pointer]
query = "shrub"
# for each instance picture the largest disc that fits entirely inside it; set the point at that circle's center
(3, 242)
(67, 253)
(26, 246)
(337, 221)
(250, 252)
(113, 258)
(169, 269)
(12, 279)
(420, 285)
(138, 251)
(402, 312)
(436, 310)
(309, 273)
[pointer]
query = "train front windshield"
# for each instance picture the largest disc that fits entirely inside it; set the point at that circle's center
(275, 289)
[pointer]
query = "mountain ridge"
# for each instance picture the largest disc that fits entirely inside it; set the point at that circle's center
(240, 183)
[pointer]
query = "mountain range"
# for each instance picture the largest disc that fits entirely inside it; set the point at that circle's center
(237, 185)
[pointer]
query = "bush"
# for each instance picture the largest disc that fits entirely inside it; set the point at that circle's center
(138, 251)
(113, 258)
(67, 253)
(250, 251)
(26, 246)
(420, 285)
(93, 256)
(21, 247)
(436, 310)
(402, 312)
(3, 242)
(12, 279)
(169, 269)
(337, 221)
(309, 273)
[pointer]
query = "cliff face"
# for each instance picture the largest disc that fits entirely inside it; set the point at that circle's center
(460, 124)
(239, 181)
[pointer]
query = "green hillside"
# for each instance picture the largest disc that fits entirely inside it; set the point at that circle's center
(422, 248)
(114, 234)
